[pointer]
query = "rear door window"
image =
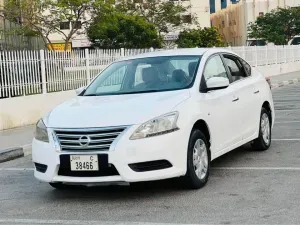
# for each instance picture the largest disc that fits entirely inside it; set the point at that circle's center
(235, 67)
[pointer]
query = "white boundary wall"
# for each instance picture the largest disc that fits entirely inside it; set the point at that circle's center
(277, 69)
(26, 110)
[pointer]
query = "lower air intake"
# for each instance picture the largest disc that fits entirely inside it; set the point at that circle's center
(41, 167)
(150, 165)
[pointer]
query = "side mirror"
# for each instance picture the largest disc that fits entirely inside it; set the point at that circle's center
(215, 83)
(79, 90)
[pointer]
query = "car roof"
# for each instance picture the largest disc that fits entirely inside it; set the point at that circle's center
(177, 52)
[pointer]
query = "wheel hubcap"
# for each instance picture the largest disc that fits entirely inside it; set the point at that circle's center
(200, 159)
(265, 128)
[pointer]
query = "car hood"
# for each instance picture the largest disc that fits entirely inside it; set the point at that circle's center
(113, 110)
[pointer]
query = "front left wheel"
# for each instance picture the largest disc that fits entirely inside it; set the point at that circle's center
(198, 161)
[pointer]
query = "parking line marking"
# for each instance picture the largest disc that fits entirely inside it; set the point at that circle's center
(16, 169)
(296, 121)
(286, 110)
(257, 168)
(80, 222)
(286, 139)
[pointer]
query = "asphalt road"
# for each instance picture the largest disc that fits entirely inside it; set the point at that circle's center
(245, 187)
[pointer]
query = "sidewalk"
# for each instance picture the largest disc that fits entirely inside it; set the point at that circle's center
(18, 137)
(285, 79)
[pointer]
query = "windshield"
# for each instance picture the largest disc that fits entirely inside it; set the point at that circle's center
(164, 73)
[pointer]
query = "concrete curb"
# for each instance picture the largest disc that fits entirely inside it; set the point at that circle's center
(285, 83)
(10, 154)
(14, 153)
(27, 149)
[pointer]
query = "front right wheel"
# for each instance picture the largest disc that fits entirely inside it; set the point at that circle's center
(263, 141)
(198, 161)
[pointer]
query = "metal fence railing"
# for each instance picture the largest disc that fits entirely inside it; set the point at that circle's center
(28, 72)
(268, 55)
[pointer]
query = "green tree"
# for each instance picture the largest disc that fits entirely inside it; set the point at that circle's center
(118, 30)
(278, 26)
(207, 37)
(165, 15)
(44, 16)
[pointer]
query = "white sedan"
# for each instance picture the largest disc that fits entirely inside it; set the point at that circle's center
(159, 115)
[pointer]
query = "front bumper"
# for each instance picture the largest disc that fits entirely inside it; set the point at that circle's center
(171, 147)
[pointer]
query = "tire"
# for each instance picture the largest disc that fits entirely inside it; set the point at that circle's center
(191, 180)
(263, 142)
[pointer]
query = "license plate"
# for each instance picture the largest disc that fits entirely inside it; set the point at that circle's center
(84, 162)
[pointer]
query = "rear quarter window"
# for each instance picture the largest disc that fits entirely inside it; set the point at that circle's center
(247, 67)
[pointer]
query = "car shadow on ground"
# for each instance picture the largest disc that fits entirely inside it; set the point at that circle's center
(143, 190)
(241, 154)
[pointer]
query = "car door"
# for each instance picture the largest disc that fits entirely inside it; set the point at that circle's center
(220, 106)
(247, 95)
(254, 80)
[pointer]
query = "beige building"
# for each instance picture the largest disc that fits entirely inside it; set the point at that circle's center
(233, 21)
(199, 8)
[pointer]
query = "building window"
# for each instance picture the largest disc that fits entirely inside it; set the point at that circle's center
(186, 19)
(223, 4)
(212, 6)
(64, 25)
(76, 25)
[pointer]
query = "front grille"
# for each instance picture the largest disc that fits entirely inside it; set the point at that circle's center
(93, 139)
(41, 167)
(150, 165)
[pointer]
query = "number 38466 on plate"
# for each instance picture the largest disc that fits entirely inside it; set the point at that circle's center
(84, 162)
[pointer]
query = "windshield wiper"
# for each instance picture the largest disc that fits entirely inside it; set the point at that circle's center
(123, 93)
(140, 92)
(90, 95)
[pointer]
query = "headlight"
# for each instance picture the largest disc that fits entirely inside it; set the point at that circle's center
(41, 133)
(157, 126)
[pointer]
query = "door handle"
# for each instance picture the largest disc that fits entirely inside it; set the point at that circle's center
(255, 92)
(235, 99)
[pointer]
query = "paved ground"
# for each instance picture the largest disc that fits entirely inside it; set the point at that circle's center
(245, 187)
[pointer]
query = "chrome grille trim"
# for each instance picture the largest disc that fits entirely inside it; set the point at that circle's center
(90, 147)
(92, 141)
(99, 139)
(91, 135)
